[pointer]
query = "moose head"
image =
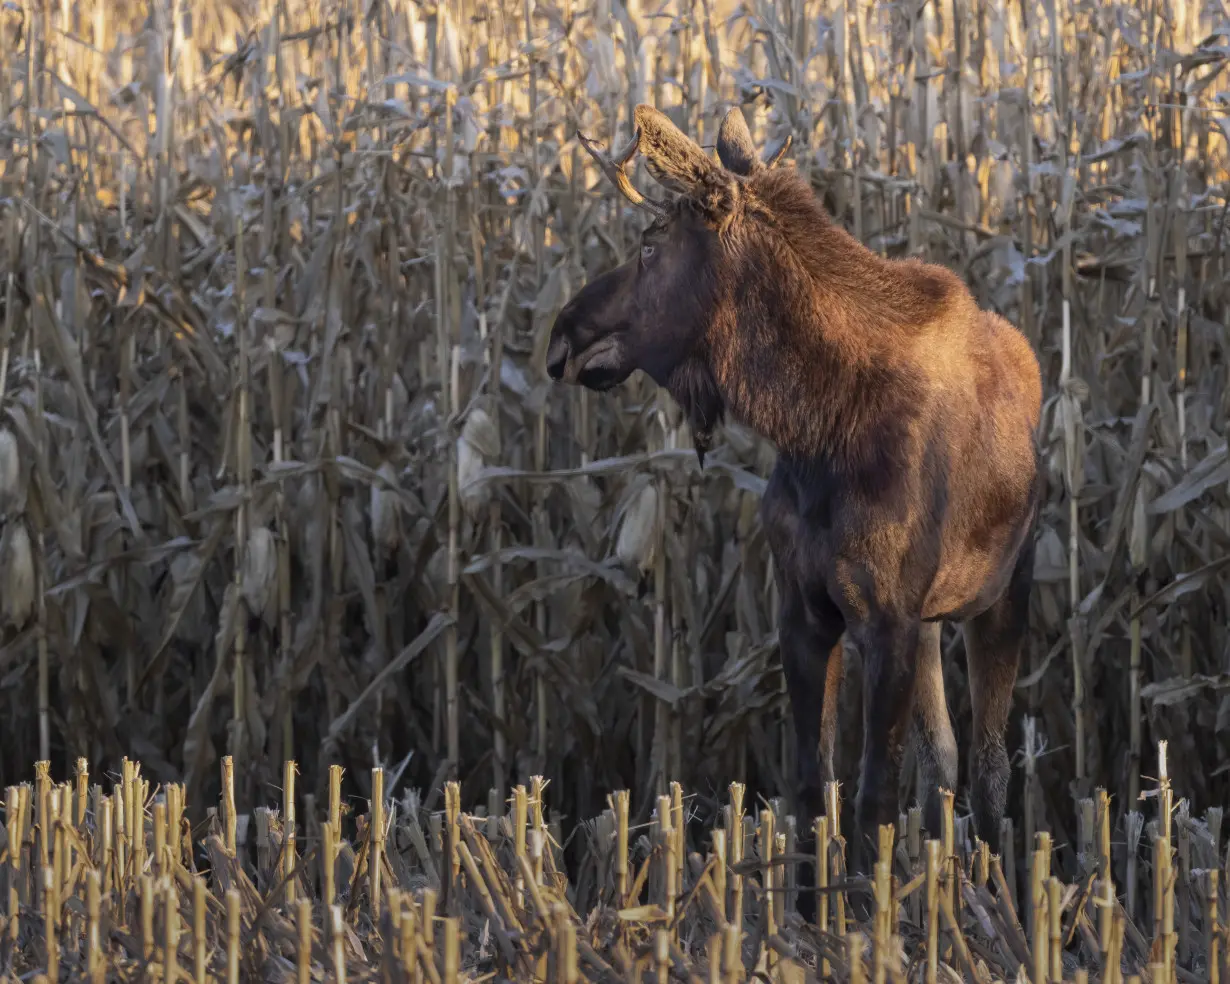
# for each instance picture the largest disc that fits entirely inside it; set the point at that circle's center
(655, 311)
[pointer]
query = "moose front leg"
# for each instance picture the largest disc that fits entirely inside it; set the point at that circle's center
(889, 650)
(810, 640)
(809, 636)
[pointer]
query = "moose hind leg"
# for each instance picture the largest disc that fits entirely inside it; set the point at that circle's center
(993, 643)
(934, 742)
(834, 675)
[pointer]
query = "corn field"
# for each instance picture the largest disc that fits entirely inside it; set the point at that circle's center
(282, 476)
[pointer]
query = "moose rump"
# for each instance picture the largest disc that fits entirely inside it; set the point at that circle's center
(905, 491)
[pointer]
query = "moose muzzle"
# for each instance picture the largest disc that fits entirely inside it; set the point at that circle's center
(557, 356)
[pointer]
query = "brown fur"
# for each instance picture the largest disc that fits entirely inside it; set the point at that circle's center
(906, 486)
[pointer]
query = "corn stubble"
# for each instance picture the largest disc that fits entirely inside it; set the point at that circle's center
(402, 894)
(281, 478)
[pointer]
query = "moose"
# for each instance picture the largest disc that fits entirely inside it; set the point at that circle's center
(907, 483)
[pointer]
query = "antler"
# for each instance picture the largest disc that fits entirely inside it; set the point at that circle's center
(614, 170)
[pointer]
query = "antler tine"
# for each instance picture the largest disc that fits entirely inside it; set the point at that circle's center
(771, 162)
(630, 148)
(613, 168)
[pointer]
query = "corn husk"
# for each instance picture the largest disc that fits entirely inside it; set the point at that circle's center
(12, 495)
(478, 444)
(399, 398)
(639, 533)
(193, 625)
(469, 467)
(479, 431)
(307, 528)
(260, 573)
(435, 574)
(385, 530)
(1054, 452)
(16, 575)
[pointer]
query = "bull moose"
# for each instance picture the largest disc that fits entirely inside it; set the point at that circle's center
(907, 483)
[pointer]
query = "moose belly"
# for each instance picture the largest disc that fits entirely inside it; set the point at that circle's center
(971, 579)
(992, 501)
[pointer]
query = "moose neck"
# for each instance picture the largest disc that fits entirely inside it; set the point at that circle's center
(813, 350)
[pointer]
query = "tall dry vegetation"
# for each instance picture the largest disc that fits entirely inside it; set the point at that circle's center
(281, 474)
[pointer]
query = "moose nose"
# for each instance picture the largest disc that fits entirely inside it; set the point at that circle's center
(557, 357)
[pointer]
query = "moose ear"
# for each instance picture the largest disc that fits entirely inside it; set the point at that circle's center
(678, 164)
(734, 145)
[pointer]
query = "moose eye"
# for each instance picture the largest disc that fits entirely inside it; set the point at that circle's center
(646, 252)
